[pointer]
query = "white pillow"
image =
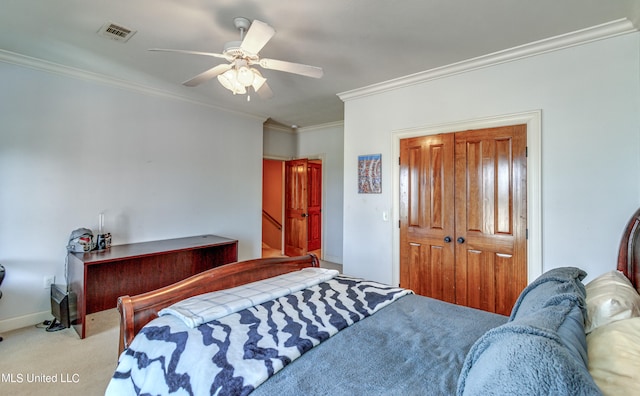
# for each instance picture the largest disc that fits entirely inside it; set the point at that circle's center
(610, 297)
(614, 357)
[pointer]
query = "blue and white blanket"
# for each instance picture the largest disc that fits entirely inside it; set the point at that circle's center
(206, 307)
(233, 354)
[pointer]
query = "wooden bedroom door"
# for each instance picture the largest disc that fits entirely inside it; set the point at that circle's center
(295, 207)
(483, 222)
(314, 205)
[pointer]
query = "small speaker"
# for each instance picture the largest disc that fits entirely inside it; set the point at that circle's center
(63, 305)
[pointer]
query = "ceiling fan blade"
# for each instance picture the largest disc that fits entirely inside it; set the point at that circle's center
(223, 56)
(258, 35)
(207, 75)
(265, 92)
(297, 68)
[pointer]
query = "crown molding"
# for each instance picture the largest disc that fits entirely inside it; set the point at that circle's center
(275, 126)
(272, 126)
(579, 37)
(68, 71)
(321, 126)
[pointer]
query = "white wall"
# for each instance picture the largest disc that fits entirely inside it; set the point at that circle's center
(279, 143)
(324, 142)
(157, 167)
(327, 143)
(589, 96)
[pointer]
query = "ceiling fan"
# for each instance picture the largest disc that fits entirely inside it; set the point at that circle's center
(238, 75)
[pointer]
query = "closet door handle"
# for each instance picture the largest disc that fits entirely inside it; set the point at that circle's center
(447, 239)
(460, 240)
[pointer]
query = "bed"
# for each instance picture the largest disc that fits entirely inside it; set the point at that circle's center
(299, 329)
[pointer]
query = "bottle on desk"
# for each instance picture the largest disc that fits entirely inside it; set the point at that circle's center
(103, 240)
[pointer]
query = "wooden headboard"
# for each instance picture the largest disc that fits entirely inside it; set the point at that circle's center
(629, 253)
(136, 311)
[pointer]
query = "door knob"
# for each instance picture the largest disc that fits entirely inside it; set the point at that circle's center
(447, 239)
(460, 240)
(304, 215)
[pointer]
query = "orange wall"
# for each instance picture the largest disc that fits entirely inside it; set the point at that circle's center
(272, 190)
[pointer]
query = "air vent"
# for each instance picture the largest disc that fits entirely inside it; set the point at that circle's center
(116, 32)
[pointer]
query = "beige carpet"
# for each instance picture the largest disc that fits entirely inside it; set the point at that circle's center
(36, 362)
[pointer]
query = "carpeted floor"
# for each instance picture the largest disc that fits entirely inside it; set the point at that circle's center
(37, 362)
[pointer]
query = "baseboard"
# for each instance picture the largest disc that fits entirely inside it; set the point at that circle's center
(24, 321)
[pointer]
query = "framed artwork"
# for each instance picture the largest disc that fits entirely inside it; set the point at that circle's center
(370, 174)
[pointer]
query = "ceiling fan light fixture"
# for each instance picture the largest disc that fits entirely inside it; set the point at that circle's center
(226, 79)
(240, 77)
(258, 80)
(229, 80)
(245, 76)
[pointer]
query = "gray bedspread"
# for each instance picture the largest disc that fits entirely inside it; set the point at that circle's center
(416, 346)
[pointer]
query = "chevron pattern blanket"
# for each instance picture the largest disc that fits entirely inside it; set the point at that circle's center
(234, 354)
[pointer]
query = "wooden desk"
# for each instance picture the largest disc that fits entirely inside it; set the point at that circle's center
(98, 278)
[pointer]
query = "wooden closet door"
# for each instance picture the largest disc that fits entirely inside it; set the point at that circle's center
(491, 249)
(427, 216)
(463, 216)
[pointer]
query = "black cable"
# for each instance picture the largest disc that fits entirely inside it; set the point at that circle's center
(55, 326)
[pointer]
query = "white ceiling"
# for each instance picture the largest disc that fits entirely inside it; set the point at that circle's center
(356, 42)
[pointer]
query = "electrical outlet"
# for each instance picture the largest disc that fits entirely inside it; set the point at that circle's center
(48, 281)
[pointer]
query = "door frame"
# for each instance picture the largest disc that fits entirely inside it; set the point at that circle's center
(281, 160)
(321, 157)
(533, 120)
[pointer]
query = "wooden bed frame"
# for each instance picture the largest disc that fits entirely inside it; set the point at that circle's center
(138, 310)
(629, 254)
